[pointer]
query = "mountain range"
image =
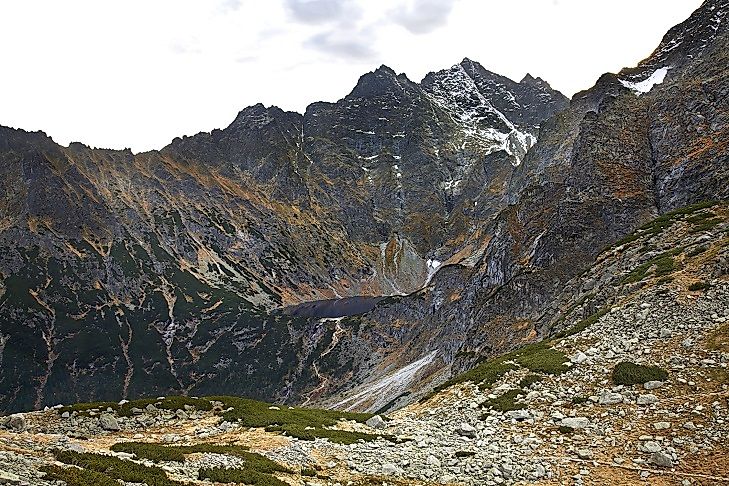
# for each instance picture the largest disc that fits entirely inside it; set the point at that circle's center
(356, 255)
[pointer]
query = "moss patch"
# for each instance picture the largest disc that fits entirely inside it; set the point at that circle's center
(627, 373)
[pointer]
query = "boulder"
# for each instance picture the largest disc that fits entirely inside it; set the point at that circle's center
(661, 459)
(376, 422)
(17, 423)
(466, 430)
(108, 422)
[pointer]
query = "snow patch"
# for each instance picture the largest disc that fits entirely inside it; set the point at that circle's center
(433, 265)
(647, 84)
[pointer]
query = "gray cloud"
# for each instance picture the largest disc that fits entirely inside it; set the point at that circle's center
(322, 11)
(356, 46)
(423, 16)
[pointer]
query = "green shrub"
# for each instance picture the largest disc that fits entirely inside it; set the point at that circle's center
(579, 400)
(563, 429)
(125, 410)
(465, 453)
(160, 452)
(308, 472)
(627, 373)
(697, 251)
(484, 374)
(337, 436)
(73, 476)
(696, 286)
(505, 402)
(116, 468)
(540, 358)
(240, 476)
(252, 413)
(529, 380)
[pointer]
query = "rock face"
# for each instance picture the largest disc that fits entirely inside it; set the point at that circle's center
(127, 275)
(124, 275)
(638, 144)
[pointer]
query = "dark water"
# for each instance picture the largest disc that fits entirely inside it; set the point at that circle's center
(348, 306)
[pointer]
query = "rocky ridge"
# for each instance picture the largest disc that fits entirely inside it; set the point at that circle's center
(560, 416)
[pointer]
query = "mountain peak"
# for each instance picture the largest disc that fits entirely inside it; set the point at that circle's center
(380, 81)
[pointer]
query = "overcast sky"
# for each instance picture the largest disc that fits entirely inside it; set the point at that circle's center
(137, 73)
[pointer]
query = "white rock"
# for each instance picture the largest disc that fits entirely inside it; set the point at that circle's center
(466, 430)
(376, 422)
(648, 399)
(575, 422)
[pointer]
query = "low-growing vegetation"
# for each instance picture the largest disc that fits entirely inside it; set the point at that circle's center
(239, 476)
(583, 324)
(124, 409)
(579, 400)
(159, 452)
(529, 380)
(659, 266)
(303, 432)
(74, 476)
(696, 286)
(627, 373)
(505, 402)
(116, 468)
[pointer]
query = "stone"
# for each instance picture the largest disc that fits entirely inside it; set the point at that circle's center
(661, 459)
(17, 423)
(466, 430)
(648, 399)
(610, 398)
(652, 385)
(578, 357)
(432, 461)
(376, 422)
(108, 422)
(390, 469)
(519, 414)
(651, 446)
(539, 471)
(575, 422)
(585, 454)
(662, 425)
(9, 478)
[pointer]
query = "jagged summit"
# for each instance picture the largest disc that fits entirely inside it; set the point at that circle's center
(688, 39)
